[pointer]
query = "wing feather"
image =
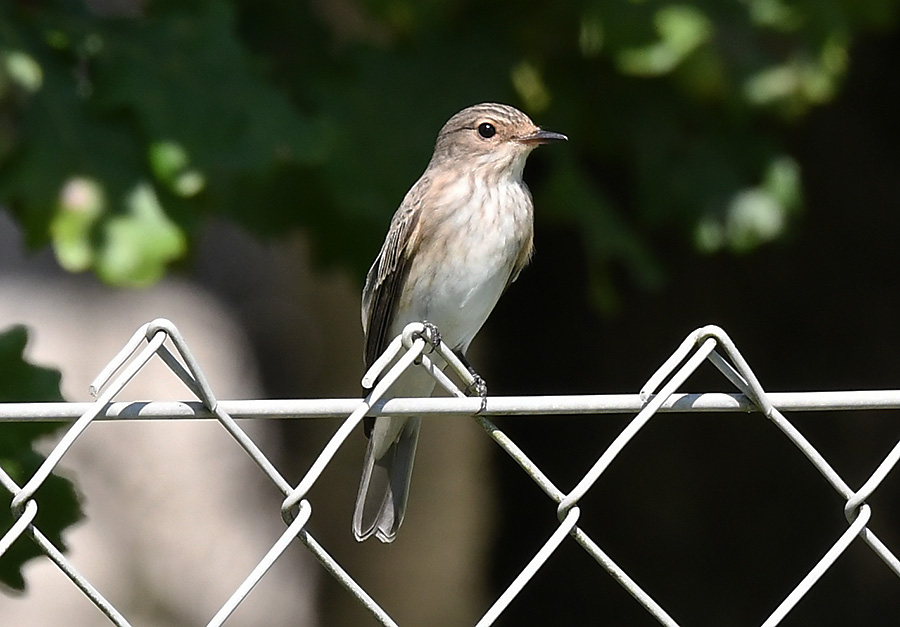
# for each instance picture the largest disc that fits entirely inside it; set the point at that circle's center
(387, 276)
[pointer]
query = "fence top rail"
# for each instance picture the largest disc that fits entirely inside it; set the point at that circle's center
(496, 406)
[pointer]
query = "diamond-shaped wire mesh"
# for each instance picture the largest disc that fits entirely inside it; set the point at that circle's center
(414, 349)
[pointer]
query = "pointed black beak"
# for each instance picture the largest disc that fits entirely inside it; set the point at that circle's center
(543, 137)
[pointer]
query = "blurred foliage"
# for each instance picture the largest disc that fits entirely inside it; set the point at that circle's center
(123, 124)
(24, 382)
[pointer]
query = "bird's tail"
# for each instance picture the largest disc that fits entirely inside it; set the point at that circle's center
(384, 487)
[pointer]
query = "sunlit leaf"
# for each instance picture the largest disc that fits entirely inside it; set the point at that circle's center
(137, 246)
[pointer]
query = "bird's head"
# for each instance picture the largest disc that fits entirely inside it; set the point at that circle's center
(493, 139)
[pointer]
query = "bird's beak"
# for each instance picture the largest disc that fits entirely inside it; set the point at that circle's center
(542, 137)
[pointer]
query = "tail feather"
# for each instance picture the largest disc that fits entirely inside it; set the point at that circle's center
(384, 487)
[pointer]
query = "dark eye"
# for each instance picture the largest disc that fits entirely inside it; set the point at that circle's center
(486, 130)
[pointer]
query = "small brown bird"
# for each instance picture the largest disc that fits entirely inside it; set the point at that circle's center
(461, 235)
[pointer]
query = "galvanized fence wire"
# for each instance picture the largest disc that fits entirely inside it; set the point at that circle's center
(417, 348)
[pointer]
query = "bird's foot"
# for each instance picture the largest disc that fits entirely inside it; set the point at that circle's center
(431, 334)
(479, 387)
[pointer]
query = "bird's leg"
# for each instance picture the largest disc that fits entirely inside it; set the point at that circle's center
(478, 385)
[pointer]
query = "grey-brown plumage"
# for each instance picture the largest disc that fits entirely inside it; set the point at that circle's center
(461, 235)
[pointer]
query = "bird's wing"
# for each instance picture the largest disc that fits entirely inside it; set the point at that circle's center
(387, 275)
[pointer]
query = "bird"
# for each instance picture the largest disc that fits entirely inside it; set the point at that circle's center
(461, 236)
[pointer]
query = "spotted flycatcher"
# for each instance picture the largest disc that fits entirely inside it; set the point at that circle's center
(461, 236)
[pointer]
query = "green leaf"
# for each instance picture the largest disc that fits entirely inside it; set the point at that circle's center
(58, 506)
(81, 204)
(681, 29)
(137, 246)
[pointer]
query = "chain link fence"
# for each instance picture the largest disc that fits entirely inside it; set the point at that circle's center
(412, 349)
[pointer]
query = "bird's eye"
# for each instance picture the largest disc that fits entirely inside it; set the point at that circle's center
(486, 130)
